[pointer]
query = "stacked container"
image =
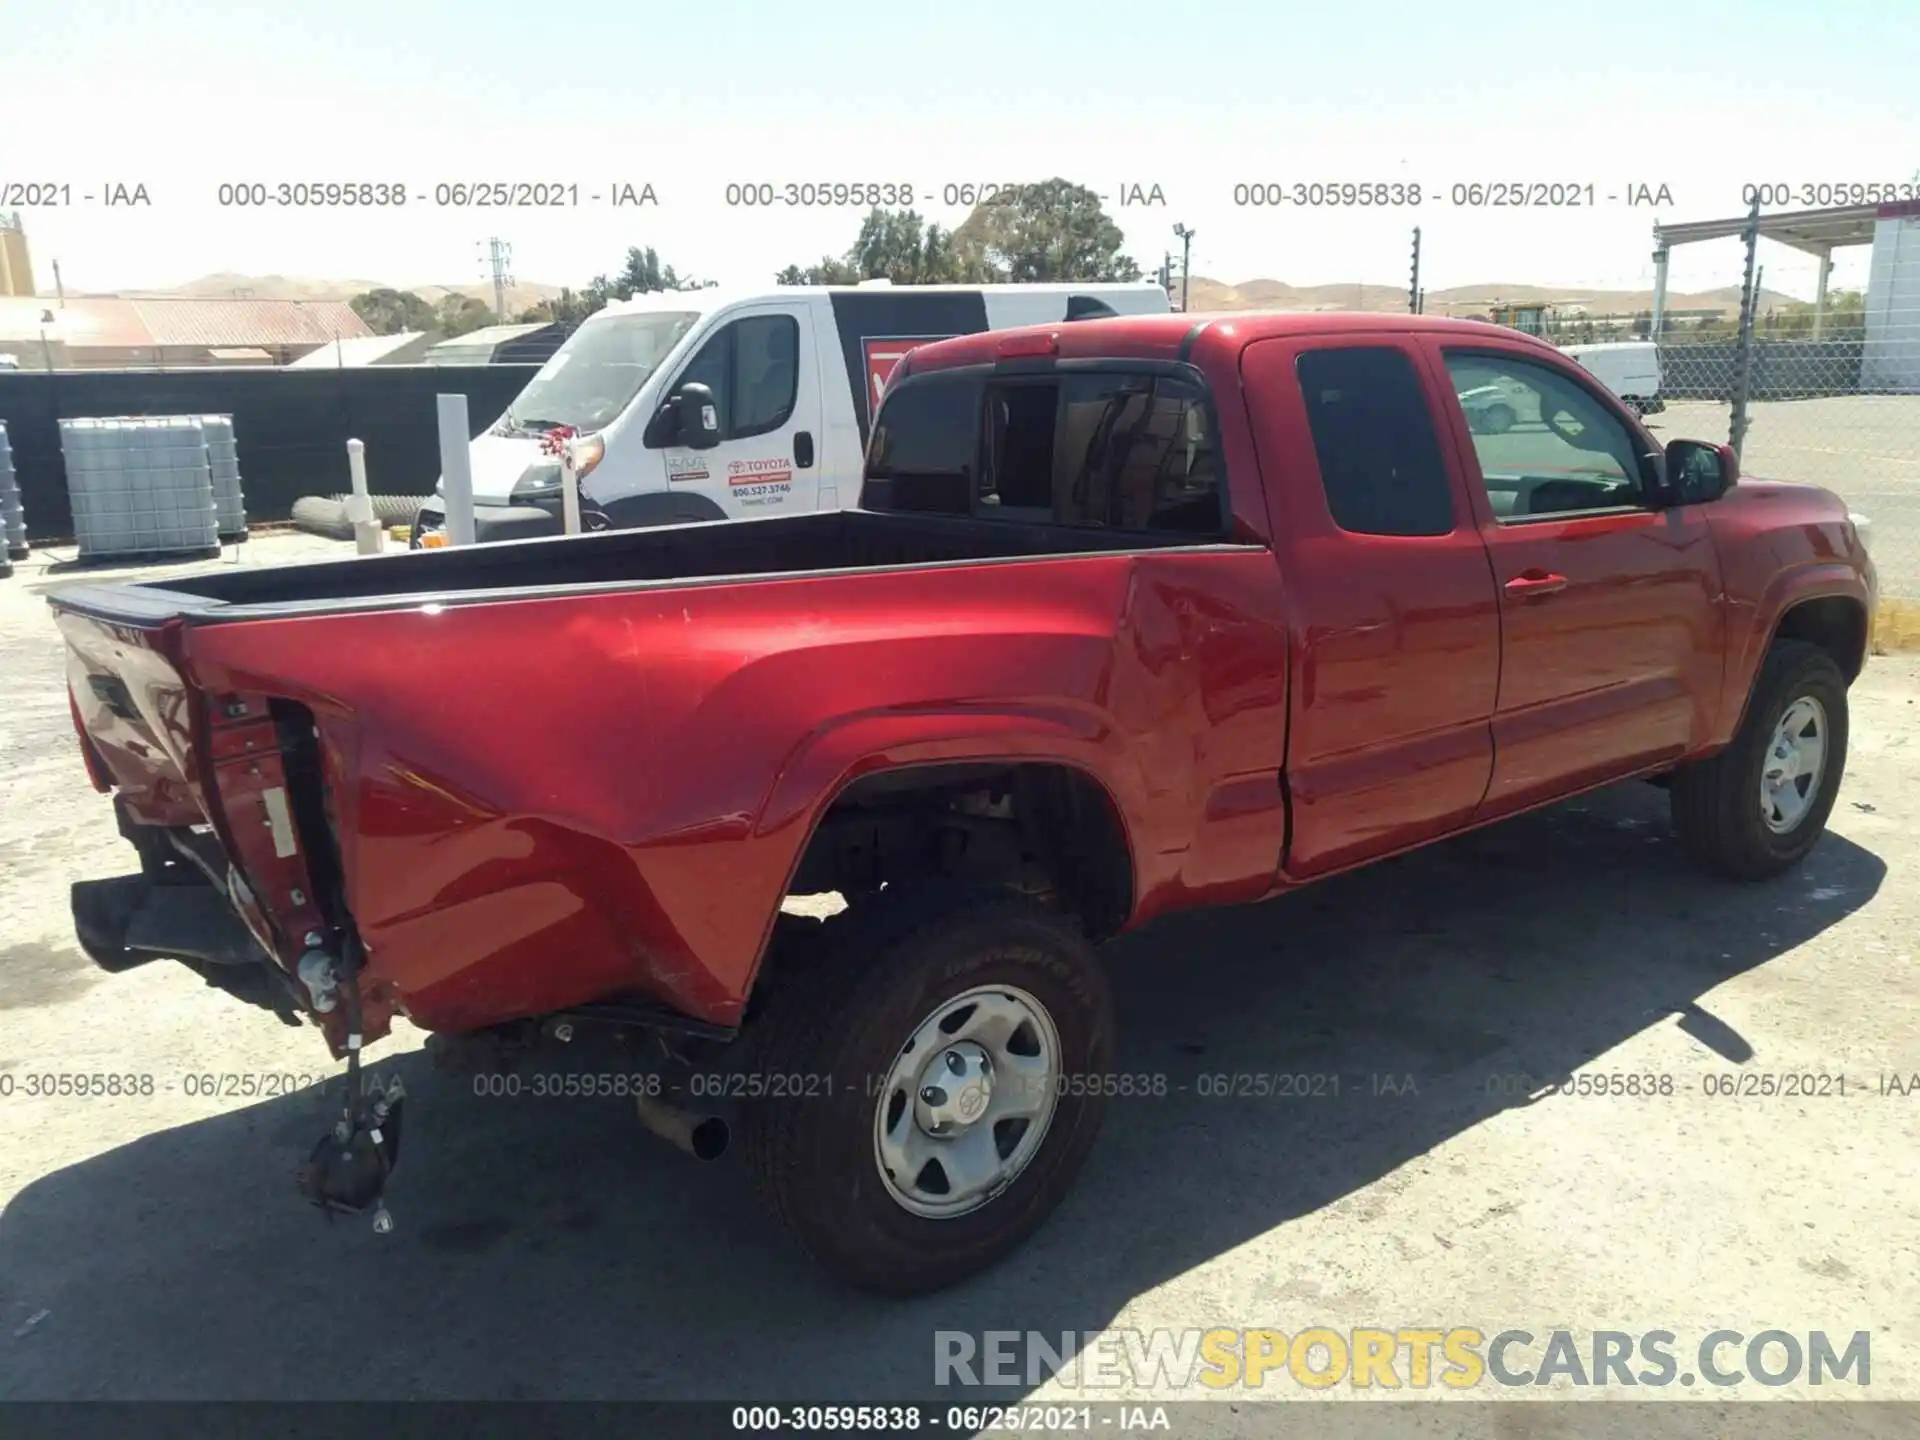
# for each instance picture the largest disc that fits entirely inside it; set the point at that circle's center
(223, 459)
(13, 519)
(140, 486)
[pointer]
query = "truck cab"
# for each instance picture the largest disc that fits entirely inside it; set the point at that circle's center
(795, 375)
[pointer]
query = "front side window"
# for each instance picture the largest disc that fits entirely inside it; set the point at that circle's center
(1547, 446)
(752, 365)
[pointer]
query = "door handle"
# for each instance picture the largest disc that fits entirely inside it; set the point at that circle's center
(1535, 582)
(802, 449)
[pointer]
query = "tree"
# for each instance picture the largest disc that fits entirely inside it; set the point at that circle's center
(461, 314)
(641, 273)
(389, 312)
(568, 308)
(1055, 230)
(896, 245)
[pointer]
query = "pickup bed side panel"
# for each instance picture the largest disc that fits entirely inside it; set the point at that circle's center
(544, 801)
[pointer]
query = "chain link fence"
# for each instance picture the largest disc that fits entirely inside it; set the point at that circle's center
(1826, 393)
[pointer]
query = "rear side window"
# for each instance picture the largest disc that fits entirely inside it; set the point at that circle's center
(1374, 438)
(1107, 449)
(1136, 453)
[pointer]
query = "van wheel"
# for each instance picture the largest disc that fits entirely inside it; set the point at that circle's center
(1756, 809)
(929, 1120)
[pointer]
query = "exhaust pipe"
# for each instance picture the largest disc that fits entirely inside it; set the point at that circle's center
(705, 1137)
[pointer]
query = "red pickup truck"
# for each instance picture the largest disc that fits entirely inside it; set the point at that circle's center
(1137, 615)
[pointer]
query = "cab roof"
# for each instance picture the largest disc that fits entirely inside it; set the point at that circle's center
(1175, 336)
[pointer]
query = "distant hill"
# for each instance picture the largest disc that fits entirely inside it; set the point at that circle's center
(1206, 294)
(229, 286)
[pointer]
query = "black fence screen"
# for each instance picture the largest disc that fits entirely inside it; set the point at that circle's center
(291, 426)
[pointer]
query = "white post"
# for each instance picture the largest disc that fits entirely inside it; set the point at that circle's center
(1820, 294)
(569, 490)
(456, 468)
(1659, 292)
(367, 535)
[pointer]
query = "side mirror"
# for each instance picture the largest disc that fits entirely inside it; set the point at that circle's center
(1698, 472)
(698, 415)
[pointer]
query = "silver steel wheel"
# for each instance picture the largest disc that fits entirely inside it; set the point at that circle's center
(1795, 760)
(967, 1101)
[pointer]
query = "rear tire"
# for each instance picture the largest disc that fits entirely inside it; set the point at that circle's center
(841, 1017)
(1721, 806)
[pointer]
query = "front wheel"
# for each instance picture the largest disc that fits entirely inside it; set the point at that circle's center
(954, 1044)
(1757, 808)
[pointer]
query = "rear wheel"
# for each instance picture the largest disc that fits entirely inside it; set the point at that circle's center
(1756, 809)
(947, 1041)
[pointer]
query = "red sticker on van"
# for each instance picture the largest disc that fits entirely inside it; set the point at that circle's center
(882, 353)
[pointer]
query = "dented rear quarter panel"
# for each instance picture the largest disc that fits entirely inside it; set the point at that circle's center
(543, 801)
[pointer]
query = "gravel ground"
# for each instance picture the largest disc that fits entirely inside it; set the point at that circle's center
(152, 1246)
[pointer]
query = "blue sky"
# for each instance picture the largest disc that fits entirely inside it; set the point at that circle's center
(181, 96)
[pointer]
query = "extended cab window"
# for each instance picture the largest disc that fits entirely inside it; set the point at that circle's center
(1373, 436)
(1115, 449)
(1547, 446)
(752, 366)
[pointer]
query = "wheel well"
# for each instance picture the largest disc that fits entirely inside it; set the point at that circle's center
(1048, 830)
(1834, 623)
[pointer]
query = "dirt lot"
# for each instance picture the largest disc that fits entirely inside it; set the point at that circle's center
(152, 1245)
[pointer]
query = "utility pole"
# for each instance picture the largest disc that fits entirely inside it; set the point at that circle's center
(1413, 288)
(1185, 236)
(499, 257)
(59, 286)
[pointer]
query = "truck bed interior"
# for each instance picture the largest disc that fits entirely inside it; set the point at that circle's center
(829, 540)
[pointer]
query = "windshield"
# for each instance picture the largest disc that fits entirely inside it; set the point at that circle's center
(589, 380)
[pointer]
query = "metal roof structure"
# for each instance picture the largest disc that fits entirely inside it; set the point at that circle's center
(83, 323)
(248, 322)
(1815, 232)
(1818, 232)
(403, 348)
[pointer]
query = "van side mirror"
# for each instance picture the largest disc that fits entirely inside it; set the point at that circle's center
(1698, 472)
(698, 416)
(687, 417)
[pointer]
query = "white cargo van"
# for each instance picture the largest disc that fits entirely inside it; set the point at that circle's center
(791, 376)
(1629, 368)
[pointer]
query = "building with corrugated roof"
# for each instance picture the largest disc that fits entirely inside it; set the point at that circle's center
(89, 333)
(406, 348)
(499, 345)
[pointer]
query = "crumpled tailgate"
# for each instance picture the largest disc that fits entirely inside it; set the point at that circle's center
(135, 712)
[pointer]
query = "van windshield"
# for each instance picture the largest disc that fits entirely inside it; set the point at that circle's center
(588, 381)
